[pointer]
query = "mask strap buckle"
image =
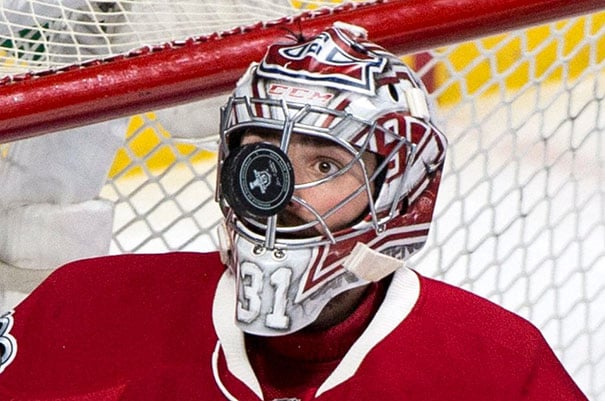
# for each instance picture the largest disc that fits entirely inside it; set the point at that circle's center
(370, 265)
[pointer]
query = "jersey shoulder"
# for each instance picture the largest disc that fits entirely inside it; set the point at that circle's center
(457, 345)
(116, 316)
(478, 318)
(107, 276)
(121, 270)
(123, 285)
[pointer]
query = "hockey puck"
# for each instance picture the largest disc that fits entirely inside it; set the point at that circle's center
(257, 180)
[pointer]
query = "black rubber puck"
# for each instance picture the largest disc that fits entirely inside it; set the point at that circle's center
(257, 180)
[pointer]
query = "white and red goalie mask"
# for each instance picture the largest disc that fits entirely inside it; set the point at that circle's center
(344, 89)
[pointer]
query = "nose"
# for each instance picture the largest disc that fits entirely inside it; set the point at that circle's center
(300, 177)
(298, 156)
(294, 204)
(300, 196)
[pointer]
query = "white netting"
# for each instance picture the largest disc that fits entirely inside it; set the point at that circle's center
(49, 33)
(521, 211)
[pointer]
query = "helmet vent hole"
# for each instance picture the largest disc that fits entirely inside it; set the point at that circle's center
(404, 206)
(393, 92)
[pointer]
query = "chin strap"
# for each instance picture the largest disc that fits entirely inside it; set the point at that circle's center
(370, 265)
(417, 103)
(224, 244)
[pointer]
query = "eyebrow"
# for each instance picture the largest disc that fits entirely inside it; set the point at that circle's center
(305, 139)
(319, 142)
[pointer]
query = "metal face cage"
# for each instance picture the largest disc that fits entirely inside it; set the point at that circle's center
(342, 128)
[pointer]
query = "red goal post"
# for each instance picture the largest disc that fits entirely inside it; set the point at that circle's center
(166, 74)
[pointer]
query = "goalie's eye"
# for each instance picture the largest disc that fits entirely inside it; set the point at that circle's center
(326, 167)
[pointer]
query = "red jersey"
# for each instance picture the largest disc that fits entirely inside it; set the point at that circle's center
(161, 327)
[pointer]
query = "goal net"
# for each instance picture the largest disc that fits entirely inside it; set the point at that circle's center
(520, 217)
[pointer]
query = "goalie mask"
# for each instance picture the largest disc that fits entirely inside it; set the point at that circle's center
(340, 91)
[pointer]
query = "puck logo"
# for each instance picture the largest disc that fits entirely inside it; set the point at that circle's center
(257, 180)
(263, 179)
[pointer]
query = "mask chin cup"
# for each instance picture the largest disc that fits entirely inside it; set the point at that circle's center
(257, 180)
